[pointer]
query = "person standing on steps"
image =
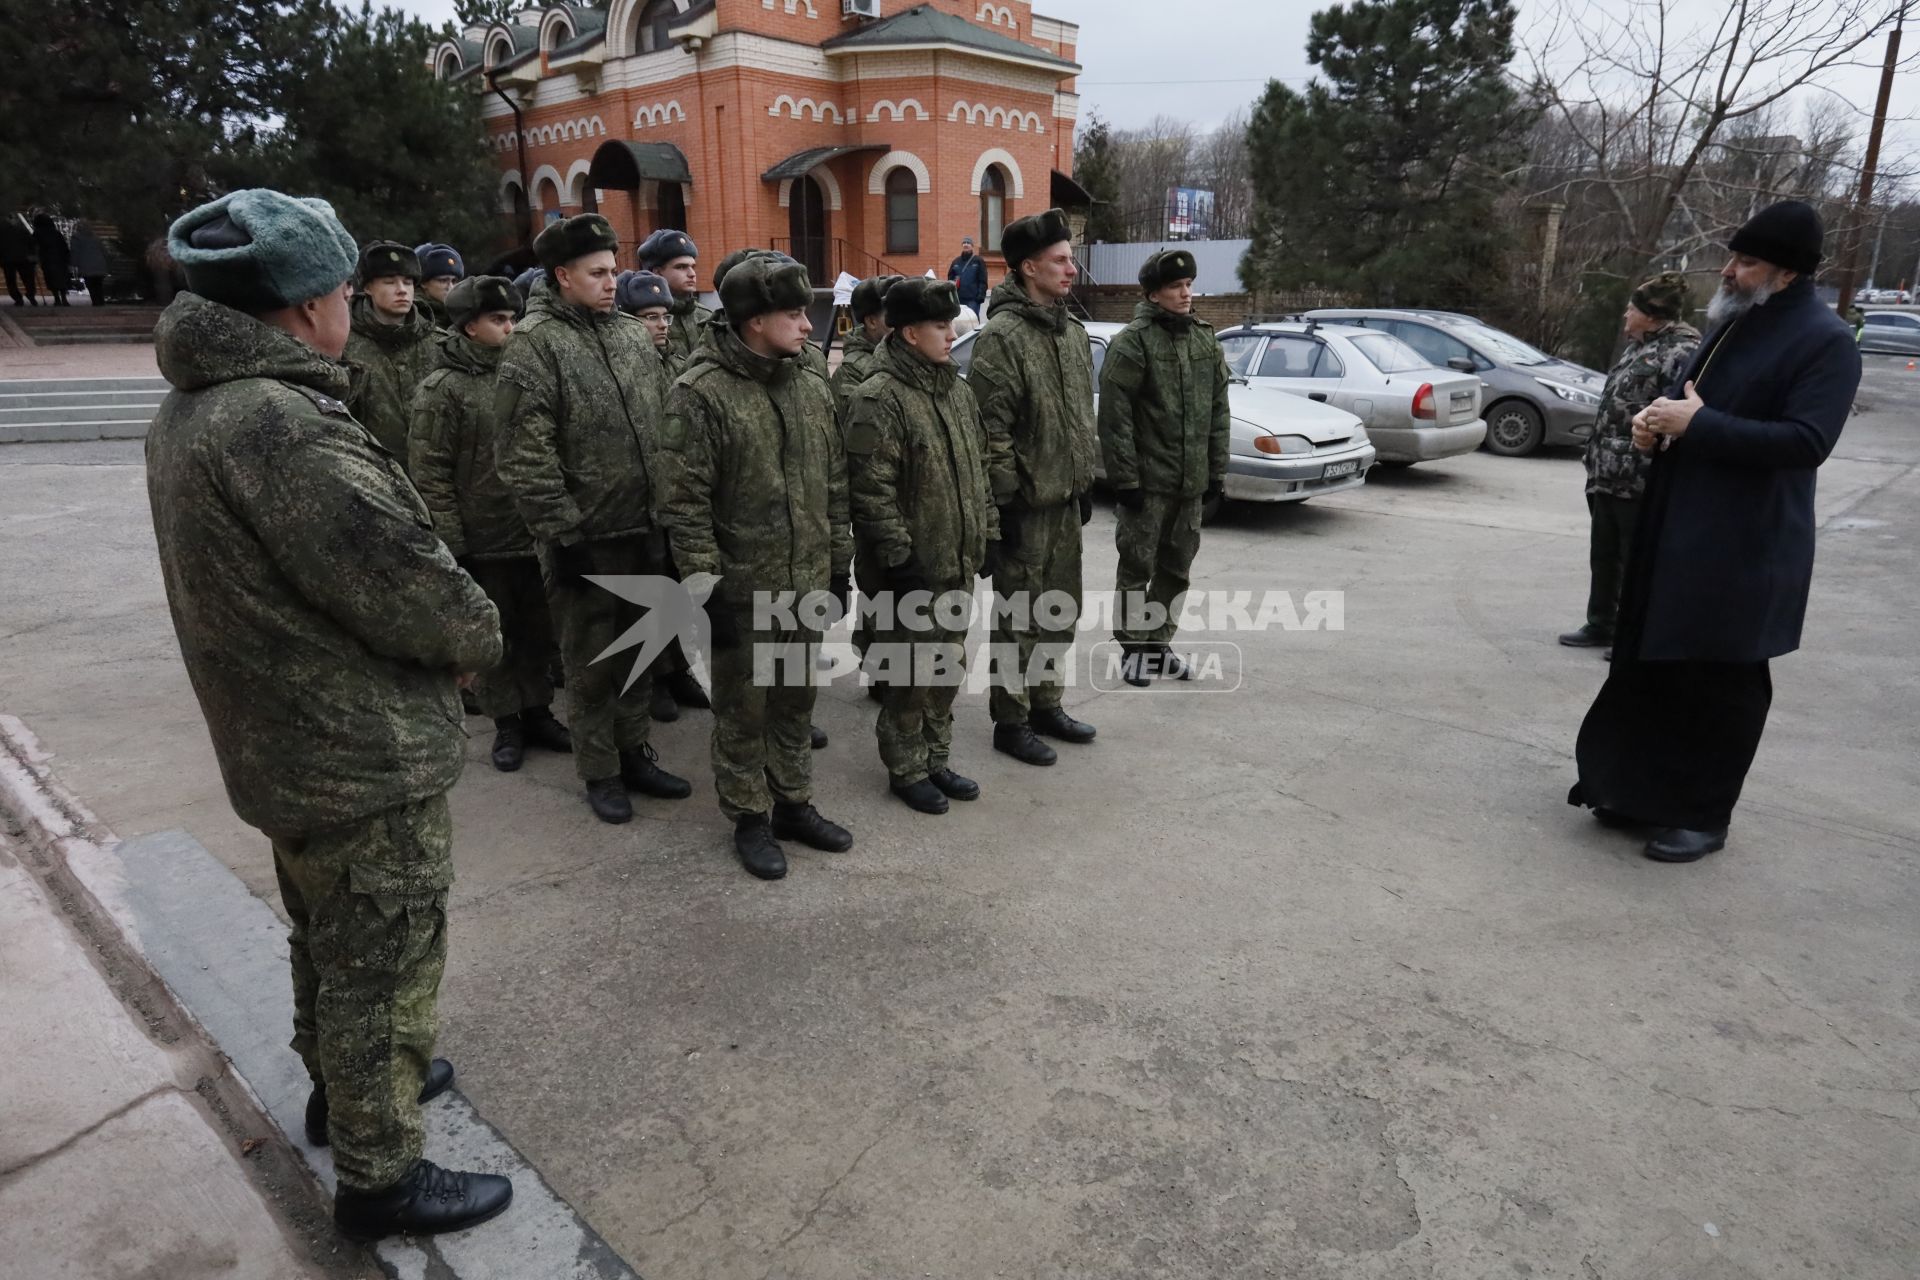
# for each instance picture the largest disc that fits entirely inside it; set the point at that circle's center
(1032, 373)
(580, 395)
(968, 274)
(16, 258)
(324, 627)
(451, 443)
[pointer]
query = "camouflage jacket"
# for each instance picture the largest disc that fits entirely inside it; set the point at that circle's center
(320, 618)
(683, 335)
(388, 363)
(1164, 422)
(759, 492)
(715, 325)
(1643, 373)
(859, 360)
(579, 401)
(1032, 373)
(917, 464)
(451, 455)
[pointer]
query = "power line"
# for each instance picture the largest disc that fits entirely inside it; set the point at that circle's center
(1209, 80)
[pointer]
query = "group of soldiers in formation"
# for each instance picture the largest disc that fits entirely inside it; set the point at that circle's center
(377, 484)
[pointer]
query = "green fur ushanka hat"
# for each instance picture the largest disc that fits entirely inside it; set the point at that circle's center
(260, 250)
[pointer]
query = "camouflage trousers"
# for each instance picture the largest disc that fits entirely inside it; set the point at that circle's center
(763, 694)
(521, 680)
(1047, 559)
(1157, 545)
(368, 906)
(920, 671)
(604, 721)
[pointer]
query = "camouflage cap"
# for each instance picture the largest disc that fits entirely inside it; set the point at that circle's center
(572, 238)
(1025, 237)
(479, 295)
(638, 290)
(438, 261)
(763, 284)
(869, 294)
(664, 246)
(260, 250)
(1665, 297)
(383, 258)
(1166, 267)
(918, 300)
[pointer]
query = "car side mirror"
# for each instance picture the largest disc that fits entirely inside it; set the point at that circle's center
(1464, 364)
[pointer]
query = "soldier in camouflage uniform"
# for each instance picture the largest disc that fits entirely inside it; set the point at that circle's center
(451, 440)
(441, 268)
(645, 296)
(1164, 427)
(923, 513)
(1659, 346)
(324, 627)
(759, 497)
(580, 395)
(671, 255)
(391, 350)
(1032, 372)
(858, 353)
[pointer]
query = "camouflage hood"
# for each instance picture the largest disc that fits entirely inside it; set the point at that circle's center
(458, 351)
(201, 344)
(1009, 294)
(417, 327)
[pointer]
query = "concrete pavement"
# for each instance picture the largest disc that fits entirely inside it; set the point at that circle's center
(1321, 978)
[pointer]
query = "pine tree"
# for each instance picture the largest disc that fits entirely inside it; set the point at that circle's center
(1380, 179)
(1096, 169)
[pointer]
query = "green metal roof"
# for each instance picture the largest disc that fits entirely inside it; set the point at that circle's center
(926, 25)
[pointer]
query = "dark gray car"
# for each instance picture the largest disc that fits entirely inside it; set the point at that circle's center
(1529, 398)
(1891, 332)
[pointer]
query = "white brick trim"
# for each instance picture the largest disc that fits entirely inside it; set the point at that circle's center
(877, 178)
(994, 155)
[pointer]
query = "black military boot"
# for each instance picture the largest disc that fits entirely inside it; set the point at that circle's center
(1018, 741)
(427, 1201)
(544, 731)
(1056, 723)
(509, 743)
(1169, 665)
(759, 852)
(1586, 636)
(955, 786)
(687, 691)
(641, 771)
(802, 822)
(1133, 667)
(817, 737)
(923, 795)
(608, 799)
(1677, 845)
(662, 707)
(439, 1080)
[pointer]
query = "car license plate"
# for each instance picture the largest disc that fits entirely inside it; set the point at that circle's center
(1340, 469)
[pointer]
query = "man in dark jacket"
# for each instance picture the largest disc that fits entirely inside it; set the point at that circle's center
(968, 272)
(324, 627)
(1164, 427)
(1721, 563)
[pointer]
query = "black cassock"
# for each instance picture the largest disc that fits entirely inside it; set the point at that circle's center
(1717, 580)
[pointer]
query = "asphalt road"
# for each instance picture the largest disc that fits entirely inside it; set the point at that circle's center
(1317, 978)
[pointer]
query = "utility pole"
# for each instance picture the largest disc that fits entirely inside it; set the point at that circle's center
(1863, 203)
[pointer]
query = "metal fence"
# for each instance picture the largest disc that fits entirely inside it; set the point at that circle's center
(1217, 260)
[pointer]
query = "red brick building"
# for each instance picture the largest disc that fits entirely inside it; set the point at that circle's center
(858, 135)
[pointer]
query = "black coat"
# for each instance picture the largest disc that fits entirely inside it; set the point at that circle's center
(1723, 556)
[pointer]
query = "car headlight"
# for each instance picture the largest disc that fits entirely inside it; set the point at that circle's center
(1287, 445)
(1567, 392)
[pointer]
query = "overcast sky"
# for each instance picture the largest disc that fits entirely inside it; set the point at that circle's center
(1199, 60)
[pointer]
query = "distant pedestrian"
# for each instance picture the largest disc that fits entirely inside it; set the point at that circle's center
(16, 257)
(1723, 556)
(1659, 345)
(90, 263)
(968, 272)
(55, 257)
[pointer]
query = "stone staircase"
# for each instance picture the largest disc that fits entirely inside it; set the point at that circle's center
(37, 411)
(50, 326)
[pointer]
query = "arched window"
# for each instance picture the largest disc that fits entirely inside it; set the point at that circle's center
(903, 211)
(498, 51)
(549, 195)
(449, 64)
(993, 208)
(650, 33)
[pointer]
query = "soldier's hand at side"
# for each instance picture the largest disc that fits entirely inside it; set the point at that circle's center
(1086, 507)
(464, 679)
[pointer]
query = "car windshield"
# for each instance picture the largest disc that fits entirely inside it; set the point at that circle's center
(1387, 353)
(1503, 348)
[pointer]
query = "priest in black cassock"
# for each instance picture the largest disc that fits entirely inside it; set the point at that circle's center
(1717, 580)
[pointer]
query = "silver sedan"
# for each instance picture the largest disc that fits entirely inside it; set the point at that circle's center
(1892, 332)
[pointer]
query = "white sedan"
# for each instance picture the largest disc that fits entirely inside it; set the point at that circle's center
(1284, 448)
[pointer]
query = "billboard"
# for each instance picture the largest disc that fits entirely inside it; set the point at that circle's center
(1189, 214)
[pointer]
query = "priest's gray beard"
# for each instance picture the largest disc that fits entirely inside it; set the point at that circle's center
(1731, 302)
